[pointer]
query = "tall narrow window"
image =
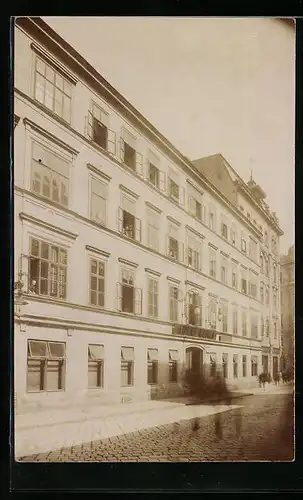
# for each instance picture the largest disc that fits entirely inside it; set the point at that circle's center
(235, 321)
(224, 317)
(45, 366)
(97, 288)
(174, 188)
(244, 281)
(253, 326)
(244, 365)
(99, 195)
(224, 270)
(244, 323)
(235, 365)
(52, 89)
(152, 298)
(224, 229)
(127, 366)
(233, 234)
(153, 229)
(173, 366)
(194, 309)
(262, 327)
(253, 249)
(234, 276)
(174, 246)
(129, 224)
(261, 263)
(95, 366)
(173, 303)
(262, 293)
(212, 314)
(100, 126)
(212, 218)
(225, 365)
(195, 198)
(47, 269)
(129, 297)
(193, 252)
(49, 175)
(254, 366)
(152, 366)
(243, 245)
(213, 364)
(212, 262)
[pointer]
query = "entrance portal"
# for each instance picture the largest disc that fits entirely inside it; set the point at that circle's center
(194, 359)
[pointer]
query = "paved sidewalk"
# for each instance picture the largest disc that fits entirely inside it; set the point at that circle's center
(99, 423)
(270, 389)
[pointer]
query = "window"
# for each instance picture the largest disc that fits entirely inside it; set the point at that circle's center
(244, 323)
(233, 235)
(253, 286)
(267, 296)
(173, 366)
(95, 366)
(96, 288)
(224, 231)
(212, 262)
(153, 227)
(254, 366)
(275, 329)
(274, 297)
(152, 298)
(53, 90)
(225, 365)
(253, 249)
(244, 365)
(47, 269)
(127, 366)
(98, 200)
(173, 303)
(244, 281)
(212, 314)
(213, 364)
(193, 252)
(262, 327)
(235, 365)
(261, 263)
(195, 205)
(45, 366)
(235, 321)
(152, 366)
(49, 175)
(262, 294)
(173, 189)
(212, 218)
(223, 270)
(153, 175)
(225, 318)
(175, 247)
(274, 274)
(243, 245)
(267, 327)
(194, 309)
(129, 224)
(273, 245)
(254, 326)
(129, 297)
(234, 276)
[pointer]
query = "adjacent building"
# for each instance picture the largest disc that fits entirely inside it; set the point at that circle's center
(287, 279)
(132, 263)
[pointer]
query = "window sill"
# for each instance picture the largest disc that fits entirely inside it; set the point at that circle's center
(45, 390)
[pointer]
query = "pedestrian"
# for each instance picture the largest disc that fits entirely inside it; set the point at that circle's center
(218, 426)
(195, 424)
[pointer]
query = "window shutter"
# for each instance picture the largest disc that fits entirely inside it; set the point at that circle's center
(138, 229)
(120, 219)
(138, 301)
(89, 125)
(119, 297)
(162, 181)
(122, 149)
(181, 195)
(139, 163)
(111, 142)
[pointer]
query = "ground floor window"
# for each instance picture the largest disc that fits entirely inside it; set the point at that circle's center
(244, 365)
(213, 365)
(265, 364)
(254, 366)
(45, 366)
(173, 366)
(95, 366)
(235, 365)
(225, 365)
(152, 366)
(127, 366)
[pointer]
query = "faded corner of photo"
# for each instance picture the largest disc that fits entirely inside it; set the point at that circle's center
(153, 255)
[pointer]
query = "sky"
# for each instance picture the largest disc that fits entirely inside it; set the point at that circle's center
(210, 85)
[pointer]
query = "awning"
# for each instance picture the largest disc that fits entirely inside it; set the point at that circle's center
(96, 352)
(174, 355)
(152, 354)
(57, 349)
(127, 353)
(212, 357)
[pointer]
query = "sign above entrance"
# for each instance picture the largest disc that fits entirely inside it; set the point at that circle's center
(193, 331)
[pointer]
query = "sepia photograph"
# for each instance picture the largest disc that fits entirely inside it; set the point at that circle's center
(153, 193)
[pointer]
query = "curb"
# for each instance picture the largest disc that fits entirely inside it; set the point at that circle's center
(221, 400)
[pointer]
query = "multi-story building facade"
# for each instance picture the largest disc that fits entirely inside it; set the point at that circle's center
(287, 280)
(132, 262)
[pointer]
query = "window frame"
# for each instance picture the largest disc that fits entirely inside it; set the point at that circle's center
(155, 303)
(43, 362)
(100, 368)
(98, 261)
(106, 187)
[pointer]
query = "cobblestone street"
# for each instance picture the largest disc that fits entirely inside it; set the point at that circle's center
(261, 430)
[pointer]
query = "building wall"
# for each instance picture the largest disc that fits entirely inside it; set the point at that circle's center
(74, 320)
(287, 308)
